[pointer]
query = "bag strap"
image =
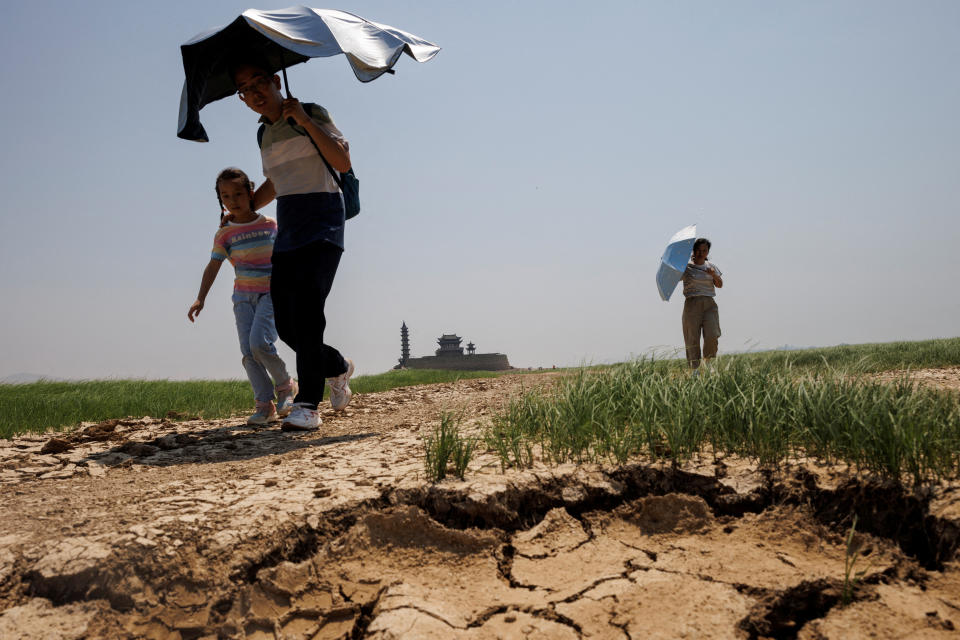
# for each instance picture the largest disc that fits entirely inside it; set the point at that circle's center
(303, 132)
(336, 176)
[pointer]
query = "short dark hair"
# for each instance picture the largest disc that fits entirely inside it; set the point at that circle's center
(254, 59)
(700, 241)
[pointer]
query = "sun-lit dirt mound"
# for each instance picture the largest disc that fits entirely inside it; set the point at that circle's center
(153, 528)
(672, 513)
(943, 378)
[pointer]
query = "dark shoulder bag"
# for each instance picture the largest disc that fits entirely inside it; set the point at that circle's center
(349, 184)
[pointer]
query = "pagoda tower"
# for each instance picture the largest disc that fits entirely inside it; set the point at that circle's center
(404, 344)
(471, 348)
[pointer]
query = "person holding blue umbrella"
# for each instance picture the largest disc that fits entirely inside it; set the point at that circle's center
(701, 279)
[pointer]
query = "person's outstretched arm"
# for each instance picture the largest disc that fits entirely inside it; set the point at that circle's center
(264, 195)
(209, 275)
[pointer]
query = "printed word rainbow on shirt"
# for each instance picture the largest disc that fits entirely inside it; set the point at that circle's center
(249, 247)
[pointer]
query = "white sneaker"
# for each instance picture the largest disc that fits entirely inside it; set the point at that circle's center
(285, 398)
(340, 393)
(265, 414)
(303, 417)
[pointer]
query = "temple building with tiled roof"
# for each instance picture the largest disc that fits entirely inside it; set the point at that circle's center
(450, 355)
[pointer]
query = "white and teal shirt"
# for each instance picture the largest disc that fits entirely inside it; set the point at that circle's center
(309, 203)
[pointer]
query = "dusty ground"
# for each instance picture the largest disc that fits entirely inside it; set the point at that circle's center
(945, 378)
(150, 528)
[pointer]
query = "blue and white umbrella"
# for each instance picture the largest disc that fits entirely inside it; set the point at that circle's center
(674, 260)
(283, 38)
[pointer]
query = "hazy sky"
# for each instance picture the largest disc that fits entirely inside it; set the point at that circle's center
(517, 190)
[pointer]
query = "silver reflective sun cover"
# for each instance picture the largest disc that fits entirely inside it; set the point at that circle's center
(287, 37)
(370, 47)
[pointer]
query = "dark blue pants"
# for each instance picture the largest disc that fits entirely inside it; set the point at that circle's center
(299, 285)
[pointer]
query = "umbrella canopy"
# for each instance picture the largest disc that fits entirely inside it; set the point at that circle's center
(674, 261)
(282, 38)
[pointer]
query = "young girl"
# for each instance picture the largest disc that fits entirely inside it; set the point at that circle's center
(247, 241)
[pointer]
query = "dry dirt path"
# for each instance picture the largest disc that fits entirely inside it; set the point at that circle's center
(149, 528)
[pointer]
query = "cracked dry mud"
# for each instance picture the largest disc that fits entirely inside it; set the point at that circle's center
(148, 528)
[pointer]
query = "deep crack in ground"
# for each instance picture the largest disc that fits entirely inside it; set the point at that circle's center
(153, 529)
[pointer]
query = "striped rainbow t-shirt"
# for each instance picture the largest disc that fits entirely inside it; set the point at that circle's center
(249, 246)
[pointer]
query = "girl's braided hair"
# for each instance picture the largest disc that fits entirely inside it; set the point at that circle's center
(232, 173)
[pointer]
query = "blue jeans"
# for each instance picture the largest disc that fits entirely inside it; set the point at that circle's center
(257, 333)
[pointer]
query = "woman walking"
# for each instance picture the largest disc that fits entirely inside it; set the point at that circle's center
(701, 279)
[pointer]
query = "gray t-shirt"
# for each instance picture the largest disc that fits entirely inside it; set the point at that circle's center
(697, 282)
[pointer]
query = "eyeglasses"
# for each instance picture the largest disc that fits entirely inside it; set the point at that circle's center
(258, 84)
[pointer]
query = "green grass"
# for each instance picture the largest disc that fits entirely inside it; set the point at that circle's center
(865, 358)
(760, 406)
(445, 446)
(39, 406)
(851, 575)
(768, 406)
(859, 358)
